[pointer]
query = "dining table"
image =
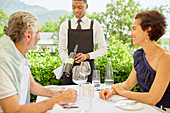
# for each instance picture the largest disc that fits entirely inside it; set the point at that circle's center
(99, 105)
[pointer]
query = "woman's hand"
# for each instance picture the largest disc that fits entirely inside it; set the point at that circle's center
(105, 94)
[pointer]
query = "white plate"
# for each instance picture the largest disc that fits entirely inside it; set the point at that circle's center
(129, 105)
(116, 98)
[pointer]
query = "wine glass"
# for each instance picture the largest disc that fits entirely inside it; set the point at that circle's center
(80, 80)
(85, 68)
(77, 77)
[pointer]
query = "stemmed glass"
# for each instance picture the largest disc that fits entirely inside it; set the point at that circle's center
(77, 77)
(84, 99)
(80, 77)
(85, 68)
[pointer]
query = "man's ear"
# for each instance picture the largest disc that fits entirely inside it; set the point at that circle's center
(28, 35)
(87, 6)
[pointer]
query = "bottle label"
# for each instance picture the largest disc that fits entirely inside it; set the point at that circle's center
(70, 60)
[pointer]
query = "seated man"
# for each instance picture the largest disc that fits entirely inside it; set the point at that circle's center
(16, 81)
(151, 64)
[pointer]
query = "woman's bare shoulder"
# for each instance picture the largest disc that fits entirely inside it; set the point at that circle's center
(166, 53)
(165, 57)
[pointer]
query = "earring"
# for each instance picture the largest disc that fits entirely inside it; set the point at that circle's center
(146, 41)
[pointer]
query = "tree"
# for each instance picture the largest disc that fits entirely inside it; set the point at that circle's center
(3, 21)
(54, 26)
(118, 19)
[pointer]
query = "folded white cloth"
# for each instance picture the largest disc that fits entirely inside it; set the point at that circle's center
(59, 71)
(58, 109)
(87, 90)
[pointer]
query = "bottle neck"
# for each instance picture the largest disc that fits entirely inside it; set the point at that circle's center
(109, 59)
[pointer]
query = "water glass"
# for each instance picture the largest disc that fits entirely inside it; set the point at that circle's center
(86, 92)
(96, 78)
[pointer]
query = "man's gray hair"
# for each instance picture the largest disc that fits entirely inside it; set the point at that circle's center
(18, 24)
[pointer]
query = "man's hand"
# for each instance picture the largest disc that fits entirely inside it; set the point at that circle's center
(56, 93)
(80, 57)
(68, 96)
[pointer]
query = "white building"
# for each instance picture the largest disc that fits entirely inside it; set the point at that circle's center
(48, 40)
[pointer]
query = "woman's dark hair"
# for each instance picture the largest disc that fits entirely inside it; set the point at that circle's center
(155, 20)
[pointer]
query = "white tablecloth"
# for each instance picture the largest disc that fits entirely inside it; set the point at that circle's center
(102, 106)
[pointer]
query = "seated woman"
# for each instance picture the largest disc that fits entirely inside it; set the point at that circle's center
(151, 67)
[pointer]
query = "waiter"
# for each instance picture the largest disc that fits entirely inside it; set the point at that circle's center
(82, 31)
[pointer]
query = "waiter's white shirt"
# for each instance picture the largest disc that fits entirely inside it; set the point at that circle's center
(98, 36)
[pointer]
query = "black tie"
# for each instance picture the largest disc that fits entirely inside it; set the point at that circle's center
(79, 26)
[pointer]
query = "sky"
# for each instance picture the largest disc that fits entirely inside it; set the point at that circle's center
(94, 5)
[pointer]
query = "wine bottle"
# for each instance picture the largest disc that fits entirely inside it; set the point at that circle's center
(70, 61)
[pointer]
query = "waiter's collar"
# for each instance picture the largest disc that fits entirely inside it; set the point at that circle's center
(84, 19)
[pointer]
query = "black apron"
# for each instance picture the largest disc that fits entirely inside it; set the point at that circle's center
(84, 39)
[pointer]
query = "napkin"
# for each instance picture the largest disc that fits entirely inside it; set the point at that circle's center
(59, 72)
(58, 109)
(87, 89)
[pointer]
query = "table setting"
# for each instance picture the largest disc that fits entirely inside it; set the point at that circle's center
(88, 100)
(113, 105)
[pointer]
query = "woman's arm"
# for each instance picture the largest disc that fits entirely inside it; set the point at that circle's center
(131, 81)
(128, 84)
(158, 87)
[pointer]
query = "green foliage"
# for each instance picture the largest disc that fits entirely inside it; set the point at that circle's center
(167, 42)
(122, 60)
(54, 26)
(3, 21)
(51, 26)
(118, 18)
(42, 66)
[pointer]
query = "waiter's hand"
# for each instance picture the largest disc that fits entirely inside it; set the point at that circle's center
(81, 57)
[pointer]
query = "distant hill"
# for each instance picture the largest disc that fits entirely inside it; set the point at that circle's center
(11, 6)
